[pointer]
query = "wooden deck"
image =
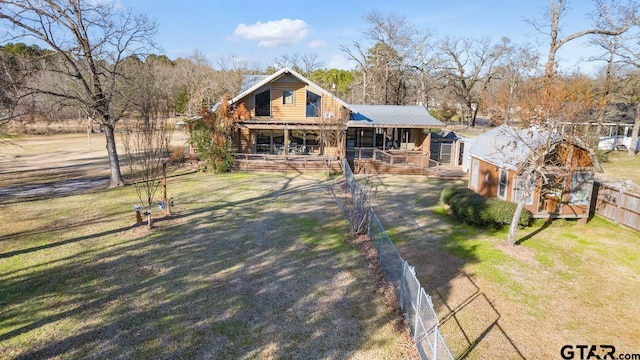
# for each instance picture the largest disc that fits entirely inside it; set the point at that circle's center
(301, 164)
(372, 160)
(369, 166)
(382, 163)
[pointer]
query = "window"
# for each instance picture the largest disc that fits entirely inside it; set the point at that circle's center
(581, 186)
(445, 153)
(264, 142)
(263, 103)
(502, 184)
(522, 188)
(314, 104)
(287, 97)
(475, 170)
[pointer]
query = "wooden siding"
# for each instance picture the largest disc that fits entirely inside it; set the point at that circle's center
(488, 182)
(281, 111)
(244, 141)
(296, 113)
(487, 179)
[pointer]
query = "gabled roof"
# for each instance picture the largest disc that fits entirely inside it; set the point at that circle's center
(391, 116)
(508, 147)
(251, 83)
(361, 115)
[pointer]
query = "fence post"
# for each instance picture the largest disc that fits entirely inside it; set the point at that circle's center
(404, 266)
(434, 349)
(618, 205)
(417, 319)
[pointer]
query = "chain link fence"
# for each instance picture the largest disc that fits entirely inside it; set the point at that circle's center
(416, 305)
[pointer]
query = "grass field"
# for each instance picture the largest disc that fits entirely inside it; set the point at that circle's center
(566, 283)
(249, 266)
(259, 266)
(622, 167)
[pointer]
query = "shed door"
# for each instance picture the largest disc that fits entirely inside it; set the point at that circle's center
(445, 153)
(475, 170)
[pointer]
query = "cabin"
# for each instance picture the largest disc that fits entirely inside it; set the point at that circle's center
(287, 115)
(499, 159)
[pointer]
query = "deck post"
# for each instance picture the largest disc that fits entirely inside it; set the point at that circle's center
(286, 142)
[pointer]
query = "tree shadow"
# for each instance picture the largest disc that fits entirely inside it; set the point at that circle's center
(534, 233)
(470, 323)
(262, 276)
(474, 318)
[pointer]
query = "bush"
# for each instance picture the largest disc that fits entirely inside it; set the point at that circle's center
(603, 156)
(177, 156)
(448, 192)
(477, 210)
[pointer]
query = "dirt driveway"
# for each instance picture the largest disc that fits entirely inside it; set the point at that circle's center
(39, 165)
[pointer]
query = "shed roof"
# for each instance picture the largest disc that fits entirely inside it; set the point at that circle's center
(508, 147)
(392, 116)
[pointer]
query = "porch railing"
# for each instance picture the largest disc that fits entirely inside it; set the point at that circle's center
(396, 158)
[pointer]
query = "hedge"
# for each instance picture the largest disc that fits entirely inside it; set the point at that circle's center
(477, 210)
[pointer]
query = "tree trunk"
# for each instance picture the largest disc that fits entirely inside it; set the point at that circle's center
(114, 162)
(634, 133)
(511, 239)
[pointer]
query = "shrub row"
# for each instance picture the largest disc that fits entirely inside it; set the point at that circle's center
(477, 210)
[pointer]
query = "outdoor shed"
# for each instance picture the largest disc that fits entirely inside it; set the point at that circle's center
(558, 186)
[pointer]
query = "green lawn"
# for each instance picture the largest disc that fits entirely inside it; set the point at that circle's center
(250, 266)
(566, 283)
(622, 167)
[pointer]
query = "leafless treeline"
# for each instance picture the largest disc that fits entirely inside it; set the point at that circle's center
(395, 63)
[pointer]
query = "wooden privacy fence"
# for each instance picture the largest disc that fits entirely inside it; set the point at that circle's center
(617, 203)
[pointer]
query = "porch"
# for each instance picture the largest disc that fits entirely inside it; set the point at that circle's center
(292, 162)
(400, 162)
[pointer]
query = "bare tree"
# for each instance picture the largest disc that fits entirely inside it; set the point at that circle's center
(90, 40)
(552, 28)
(551, 105)
(333, 131)
(468, 68)
(302, 63)
(229, 77)
(358, 54)
(354, 199)
(424, 60)
(196, 76)
(519, 63)
(147, 136)
(382, 58)
(146, 144)
(15, 102)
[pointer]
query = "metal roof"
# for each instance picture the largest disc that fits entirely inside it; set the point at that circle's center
(508, 147)
(249, 81)
(414, 116)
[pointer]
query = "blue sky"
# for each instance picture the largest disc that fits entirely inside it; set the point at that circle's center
(259, 31)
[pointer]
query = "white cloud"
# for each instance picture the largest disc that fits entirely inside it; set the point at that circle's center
(340, 61)
(316, 44)
(274, 33)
